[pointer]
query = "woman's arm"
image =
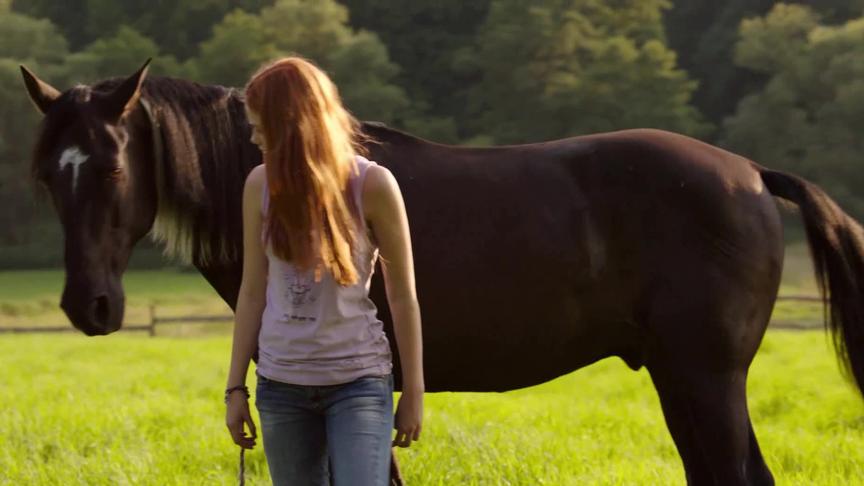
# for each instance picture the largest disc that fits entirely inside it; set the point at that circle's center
(385, 211)
(250, 306)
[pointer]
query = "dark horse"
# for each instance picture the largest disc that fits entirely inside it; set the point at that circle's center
(531, 260)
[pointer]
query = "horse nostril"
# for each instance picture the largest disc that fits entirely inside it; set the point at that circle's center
(100, 311)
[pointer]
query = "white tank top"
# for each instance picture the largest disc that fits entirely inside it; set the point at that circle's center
(320, 333)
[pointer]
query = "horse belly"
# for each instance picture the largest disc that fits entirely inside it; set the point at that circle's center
(517, 310)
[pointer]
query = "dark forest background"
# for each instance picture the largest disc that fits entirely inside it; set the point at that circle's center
(779, 82)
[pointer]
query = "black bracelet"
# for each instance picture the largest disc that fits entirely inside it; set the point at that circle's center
(231, 390)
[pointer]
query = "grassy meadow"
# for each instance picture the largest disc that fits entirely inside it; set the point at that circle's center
(129, 409)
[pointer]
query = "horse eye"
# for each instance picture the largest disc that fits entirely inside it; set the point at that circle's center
(108, 173)
(115, 173)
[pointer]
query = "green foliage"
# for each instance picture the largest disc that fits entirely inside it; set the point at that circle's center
(176, 26)
(432, 42)
(70, 16)
(364, 73)
(559, 68)
(31, 39)
(118, 55)
(788, 26)
(704, 34)
(809, 117)
(318, 30)
(37, 44)
(833, 11)
(239, 44)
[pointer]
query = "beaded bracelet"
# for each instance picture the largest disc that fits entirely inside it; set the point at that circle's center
(231, 390)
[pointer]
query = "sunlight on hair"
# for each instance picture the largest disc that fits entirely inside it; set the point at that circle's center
(310, 143)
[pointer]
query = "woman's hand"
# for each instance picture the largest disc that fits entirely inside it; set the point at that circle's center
(236, 415)
(409, 418)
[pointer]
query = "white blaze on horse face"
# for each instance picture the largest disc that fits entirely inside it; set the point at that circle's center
(74, 156)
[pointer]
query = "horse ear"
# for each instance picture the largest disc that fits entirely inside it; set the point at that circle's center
(120, 102)
(41, 93)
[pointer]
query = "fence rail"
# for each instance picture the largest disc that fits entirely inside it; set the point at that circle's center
(154, 320)
(149, 327)
(800, 298)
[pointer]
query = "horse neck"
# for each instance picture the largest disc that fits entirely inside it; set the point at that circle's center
(206, 155)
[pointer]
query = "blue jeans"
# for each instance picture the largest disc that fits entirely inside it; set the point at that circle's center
(314, 433)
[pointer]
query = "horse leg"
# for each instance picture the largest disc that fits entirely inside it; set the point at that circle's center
(758, 471)
(706, 413)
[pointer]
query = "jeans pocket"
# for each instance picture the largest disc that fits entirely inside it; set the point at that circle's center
(261, 385)
(382, 384)
(269, 394)
(383, 379)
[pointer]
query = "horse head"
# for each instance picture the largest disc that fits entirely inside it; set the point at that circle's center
(87, 159)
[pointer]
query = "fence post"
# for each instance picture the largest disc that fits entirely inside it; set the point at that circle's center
(152, 329)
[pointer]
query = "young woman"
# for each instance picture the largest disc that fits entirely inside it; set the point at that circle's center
(316, 215)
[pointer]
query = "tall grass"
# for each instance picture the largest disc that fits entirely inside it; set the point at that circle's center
(127, 409)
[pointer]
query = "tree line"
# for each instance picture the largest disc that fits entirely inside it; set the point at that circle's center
(778, 82)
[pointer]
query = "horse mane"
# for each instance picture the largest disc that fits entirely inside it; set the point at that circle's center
(200, 173)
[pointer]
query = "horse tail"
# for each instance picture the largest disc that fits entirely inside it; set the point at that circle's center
(837, 249)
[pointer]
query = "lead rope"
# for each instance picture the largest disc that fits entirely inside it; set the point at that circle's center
(242, 475)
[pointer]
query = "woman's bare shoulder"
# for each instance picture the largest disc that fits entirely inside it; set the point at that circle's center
(379, 180)
(253, 189)
(256, 175)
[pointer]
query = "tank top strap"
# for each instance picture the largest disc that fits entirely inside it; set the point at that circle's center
(356, 182)
(265, 195)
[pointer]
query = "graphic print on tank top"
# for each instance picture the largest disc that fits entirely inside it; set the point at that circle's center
(300, 288)
(300, 293)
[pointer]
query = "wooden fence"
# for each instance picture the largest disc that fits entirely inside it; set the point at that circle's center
(795, 325)
(150, 327)
(154, 320)
(800, 298)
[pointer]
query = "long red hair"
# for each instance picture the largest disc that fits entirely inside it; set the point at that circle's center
(310, 145)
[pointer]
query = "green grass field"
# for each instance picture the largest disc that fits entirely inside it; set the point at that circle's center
(128, 409)
(32, 298)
